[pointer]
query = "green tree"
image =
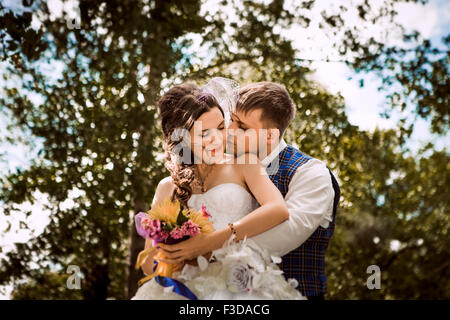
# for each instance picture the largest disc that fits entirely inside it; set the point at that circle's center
(46, 287)
(99, 128)
(98, 123)
(420, 73)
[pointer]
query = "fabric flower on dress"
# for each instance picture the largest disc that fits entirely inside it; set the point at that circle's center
(240, 269)
(238, 277)
(245, 269)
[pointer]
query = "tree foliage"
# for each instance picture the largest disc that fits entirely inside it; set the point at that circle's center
(98, 123)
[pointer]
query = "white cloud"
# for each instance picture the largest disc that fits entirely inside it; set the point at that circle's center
(423, 18)
(5, 292)
(55, 7)
(37, 220)
(363, 105)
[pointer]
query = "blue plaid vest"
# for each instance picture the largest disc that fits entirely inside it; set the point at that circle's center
(306, 263)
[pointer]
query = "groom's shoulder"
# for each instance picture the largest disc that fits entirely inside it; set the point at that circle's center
(309, 163)
(297, 153)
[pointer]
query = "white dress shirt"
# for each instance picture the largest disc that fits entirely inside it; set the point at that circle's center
(310, 204)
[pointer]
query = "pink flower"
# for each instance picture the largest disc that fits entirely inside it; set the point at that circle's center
(187, 229)
(177, 233)
(142, 224)
(145, 223)
(205, 213)
(148, 228)
(190, 228)
(154, 228)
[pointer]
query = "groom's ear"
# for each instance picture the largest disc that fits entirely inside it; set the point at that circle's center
(273, 135)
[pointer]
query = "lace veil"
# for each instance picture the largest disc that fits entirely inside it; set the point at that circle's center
(226, 92)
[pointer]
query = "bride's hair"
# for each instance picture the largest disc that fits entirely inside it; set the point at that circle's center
(179, 108)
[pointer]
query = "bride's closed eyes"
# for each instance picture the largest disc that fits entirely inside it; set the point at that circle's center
(207, 132)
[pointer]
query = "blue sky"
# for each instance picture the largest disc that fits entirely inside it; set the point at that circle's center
(363, 105)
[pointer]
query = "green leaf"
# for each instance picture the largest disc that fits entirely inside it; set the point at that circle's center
(181, 218)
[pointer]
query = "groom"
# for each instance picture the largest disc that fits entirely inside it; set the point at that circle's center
(310, 190)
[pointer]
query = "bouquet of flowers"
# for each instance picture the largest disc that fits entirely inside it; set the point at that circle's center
(169, 223)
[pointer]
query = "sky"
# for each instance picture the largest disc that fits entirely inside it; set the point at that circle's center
(363, 105)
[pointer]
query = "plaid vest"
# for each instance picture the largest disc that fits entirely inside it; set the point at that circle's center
(306, 263)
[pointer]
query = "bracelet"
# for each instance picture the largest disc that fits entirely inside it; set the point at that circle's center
(233, 230)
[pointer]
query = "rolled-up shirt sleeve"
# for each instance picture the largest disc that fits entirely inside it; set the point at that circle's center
(310, 204)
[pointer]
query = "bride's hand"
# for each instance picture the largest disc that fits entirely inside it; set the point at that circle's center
(201, 244)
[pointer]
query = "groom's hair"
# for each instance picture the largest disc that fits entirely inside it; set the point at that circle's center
(274, 101)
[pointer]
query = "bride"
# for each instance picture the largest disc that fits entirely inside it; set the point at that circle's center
(237, 193)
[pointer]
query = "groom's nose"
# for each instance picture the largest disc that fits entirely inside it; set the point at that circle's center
(233, 125)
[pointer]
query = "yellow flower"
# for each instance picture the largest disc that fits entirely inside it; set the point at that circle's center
(167, 211)
(198, 218)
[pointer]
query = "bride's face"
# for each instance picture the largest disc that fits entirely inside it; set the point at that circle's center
(208, 137)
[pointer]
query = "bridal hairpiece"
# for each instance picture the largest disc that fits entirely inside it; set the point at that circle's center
(226, 92)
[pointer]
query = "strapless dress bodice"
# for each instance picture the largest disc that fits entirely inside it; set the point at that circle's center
(226, 203)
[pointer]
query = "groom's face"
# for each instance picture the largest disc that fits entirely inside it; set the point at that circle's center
(246, 133)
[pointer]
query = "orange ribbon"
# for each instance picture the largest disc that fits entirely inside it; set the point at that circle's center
(162, 269)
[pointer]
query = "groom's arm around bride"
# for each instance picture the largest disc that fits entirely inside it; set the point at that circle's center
(311, 191)
(310, 204)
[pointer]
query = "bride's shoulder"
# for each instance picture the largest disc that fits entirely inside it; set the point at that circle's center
(245, 158)
(164, 189)
(165, 184)
(248, 159)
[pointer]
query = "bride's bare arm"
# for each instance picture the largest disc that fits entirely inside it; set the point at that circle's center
(272, 211)
(163, 190)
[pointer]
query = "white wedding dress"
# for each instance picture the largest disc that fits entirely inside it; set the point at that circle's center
(240, 271)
